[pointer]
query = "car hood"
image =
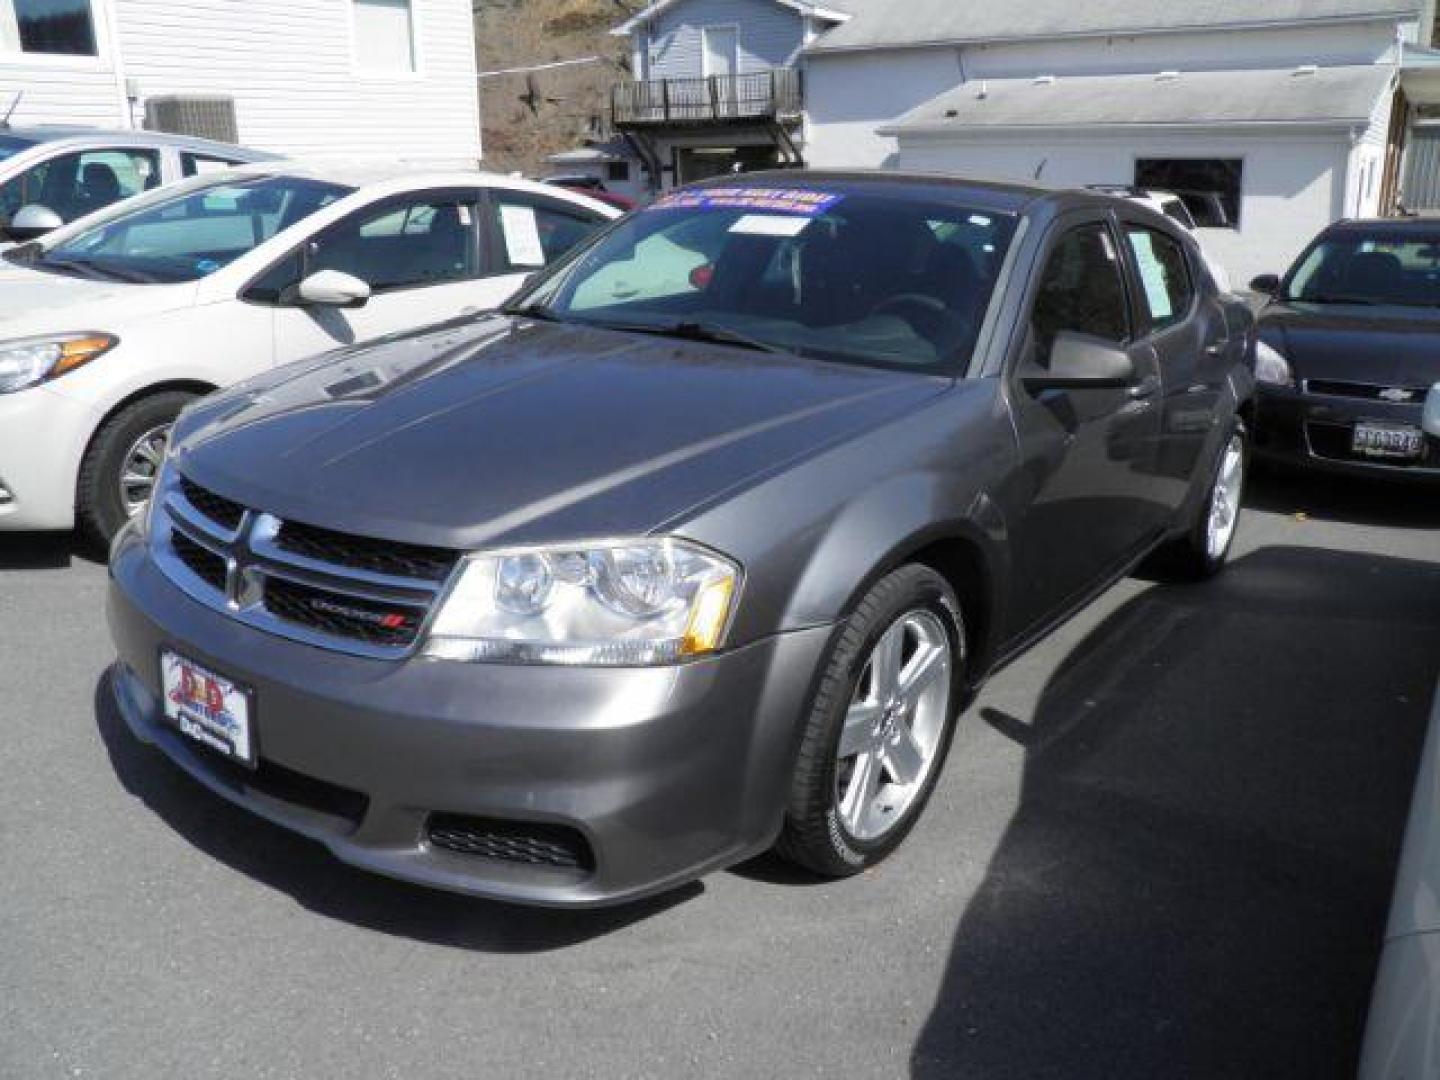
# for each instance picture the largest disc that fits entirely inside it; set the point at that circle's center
(34, 302)
(495, 432)
(1384, 346)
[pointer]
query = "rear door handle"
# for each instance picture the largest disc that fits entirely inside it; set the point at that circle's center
(1216, 348)
(1147, 387)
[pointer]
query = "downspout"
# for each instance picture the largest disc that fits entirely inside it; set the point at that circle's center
(117, 63)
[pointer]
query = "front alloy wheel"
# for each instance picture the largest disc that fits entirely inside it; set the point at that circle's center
(879, 725)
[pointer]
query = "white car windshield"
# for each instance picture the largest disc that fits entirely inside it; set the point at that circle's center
(188, 237)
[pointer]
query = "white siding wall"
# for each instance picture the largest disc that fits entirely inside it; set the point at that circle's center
(770, 36)
(846, 98)
(1293, 185)
(290, 66)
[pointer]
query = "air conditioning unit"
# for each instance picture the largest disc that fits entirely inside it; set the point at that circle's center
(207, 117)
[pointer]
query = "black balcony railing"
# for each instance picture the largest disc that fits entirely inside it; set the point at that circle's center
(719, 99)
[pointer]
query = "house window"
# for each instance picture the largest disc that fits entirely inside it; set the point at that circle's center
(384, 35)
(1209, 187)
(63, 27)
(617, 172)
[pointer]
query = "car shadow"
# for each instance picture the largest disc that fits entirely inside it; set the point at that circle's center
(45, 551)
(306, 871)
(1354, 500)
(1196, 877)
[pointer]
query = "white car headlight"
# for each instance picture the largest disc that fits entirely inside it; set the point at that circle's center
(1271, 368)
(627, 603)
(28, 361)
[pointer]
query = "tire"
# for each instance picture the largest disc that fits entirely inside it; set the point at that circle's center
(1195, 555)
(830, 827)
(100, 510)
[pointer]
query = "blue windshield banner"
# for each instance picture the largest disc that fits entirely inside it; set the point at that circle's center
(770, 200)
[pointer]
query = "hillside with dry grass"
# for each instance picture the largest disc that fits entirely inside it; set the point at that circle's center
(527, 116)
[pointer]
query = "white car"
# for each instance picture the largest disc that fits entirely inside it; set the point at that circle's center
(110, 325)
(51, 175)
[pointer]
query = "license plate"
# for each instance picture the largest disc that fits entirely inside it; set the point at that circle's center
(208, 708)
(1388, 440)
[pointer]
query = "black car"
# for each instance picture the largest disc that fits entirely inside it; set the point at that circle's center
(698, 549)
(1348, 362)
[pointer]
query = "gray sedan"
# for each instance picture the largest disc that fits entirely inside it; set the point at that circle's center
(697, 549)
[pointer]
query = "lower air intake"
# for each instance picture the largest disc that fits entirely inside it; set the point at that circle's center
(511, 841)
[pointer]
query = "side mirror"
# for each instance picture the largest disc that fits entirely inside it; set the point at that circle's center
(1081, 362)
(330, 288)
(33, 221)
(1266, 284)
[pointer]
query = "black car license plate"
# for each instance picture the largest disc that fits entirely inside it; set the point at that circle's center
(1388, 441)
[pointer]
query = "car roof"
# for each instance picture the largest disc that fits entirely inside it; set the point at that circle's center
(50, 133)
(998, 195)
(1423, 224)
(384, 177)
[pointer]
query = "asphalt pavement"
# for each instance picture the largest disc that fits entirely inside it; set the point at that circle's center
(1163, 846)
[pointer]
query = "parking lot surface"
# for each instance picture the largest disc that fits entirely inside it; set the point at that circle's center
(1163, 845)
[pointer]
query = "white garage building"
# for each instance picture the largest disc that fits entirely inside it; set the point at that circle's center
(1272, 119)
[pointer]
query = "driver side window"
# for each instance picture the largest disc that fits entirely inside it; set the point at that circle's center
(73, 185)
(1081, 292)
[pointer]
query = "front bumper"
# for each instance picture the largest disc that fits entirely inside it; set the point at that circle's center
(665, 773)
(1311, 430)
(43, 436)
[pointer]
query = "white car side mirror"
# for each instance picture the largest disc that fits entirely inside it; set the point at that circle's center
(33, 221)
(332, 288)
(1431, 420)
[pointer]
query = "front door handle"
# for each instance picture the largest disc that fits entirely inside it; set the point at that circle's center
(1147, 387)
(1216, 348)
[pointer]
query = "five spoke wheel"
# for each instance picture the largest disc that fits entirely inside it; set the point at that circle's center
(892, 731)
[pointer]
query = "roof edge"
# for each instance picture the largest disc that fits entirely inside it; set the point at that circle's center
(819, 48)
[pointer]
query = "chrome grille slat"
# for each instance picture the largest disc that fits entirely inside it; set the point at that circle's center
(346, 608)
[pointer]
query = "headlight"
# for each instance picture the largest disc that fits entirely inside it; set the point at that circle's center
(28, 361)
(1271, 368)
(628, 603)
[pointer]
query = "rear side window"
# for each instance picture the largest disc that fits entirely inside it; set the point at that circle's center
(1082, 291)
(200, 164)
(533, 231)
(1165, 282)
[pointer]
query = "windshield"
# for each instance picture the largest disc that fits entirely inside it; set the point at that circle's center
(854, 277)
(192, 235)
(10, 145)
(1353, 269)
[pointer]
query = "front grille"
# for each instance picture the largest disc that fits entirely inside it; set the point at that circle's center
(217, 508)
(1363, 391)
(511, 841)
(374, 622)
(201, 561)
(366, 554)
(325, 588)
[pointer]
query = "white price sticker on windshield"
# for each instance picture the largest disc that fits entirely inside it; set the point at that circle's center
(522, 236)
(770, 225)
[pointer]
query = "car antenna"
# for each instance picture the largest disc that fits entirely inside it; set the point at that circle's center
(14, 104)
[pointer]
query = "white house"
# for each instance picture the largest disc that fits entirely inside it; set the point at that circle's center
(391, 78)
(717, 84)
(1272, 118)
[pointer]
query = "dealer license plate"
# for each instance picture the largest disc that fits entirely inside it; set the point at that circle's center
(1388, 441)
(207, 707)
